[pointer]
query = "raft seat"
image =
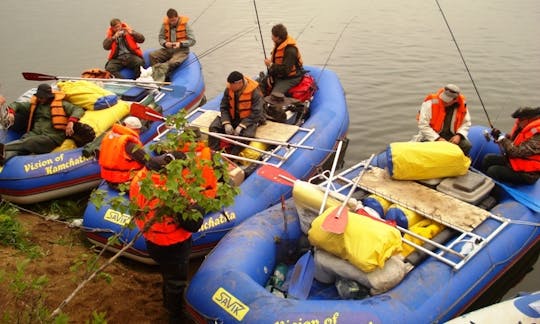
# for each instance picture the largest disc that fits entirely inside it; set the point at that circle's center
(273, 131)
(277, 131)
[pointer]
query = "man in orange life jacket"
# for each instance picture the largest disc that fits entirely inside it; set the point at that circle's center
(175, 38)
(285, 66)
(444, 116)
(121, 154)
(520, 163)
(168, 239)
(47, 119)
(124, 51)
(241, 110)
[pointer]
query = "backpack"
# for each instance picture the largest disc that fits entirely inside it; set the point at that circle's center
(304, 90)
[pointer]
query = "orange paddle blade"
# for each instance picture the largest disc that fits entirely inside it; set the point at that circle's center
(145, 112)
(336, 221)
(276, 175)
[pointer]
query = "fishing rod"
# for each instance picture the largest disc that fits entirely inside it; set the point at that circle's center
(218, 46)
(306, 26)
(335, 45)
(205, 9)
(259, 24)
(464, 63)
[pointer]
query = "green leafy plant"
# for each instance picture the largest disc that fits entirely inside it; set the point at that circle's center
(182, 178)
(12, 233)
(27, 295)
(181, 192)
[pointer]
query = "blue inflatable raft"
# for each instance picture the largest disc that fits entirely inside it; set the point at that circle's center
(36, 178)
(231, 285)
(307, 148)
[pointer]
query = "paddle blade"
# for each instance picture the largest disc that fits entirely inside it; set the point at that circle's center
(145, 112)
(336, 221)
(302, 277)
(38, 76)
(178, 91)
(276, 175)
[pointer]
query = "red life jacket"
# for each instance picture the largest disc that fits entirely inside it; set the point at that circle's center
(116, 165)
(130, 42)
(531, 163)
(168, 231)
(438, 112)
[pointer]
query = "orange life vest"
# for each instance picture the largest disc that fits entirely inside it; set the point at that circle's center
(438, 112)
(279, 52)
(130, 42)
(181, 31)
(168, 231)
(116, 165)
(59, 118)
(531, 163)
(204, 153)
(244, 101)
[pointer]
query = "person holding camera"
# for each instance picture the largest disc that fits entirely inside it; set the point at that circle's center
(122, 42)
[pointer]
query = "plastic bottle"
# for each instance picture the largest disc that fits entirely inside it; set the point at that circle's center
(350, 289)
(278, 278)
(275, 283)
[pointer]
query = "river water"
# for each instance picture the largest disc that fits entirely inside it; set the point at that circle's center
(388, 54)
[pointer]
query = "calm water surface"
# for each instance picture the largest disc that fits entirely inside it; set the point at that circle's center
(388, 54)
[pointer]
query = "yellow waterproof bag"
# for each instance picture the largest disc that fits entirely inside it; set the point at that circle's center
(366, 243)
(425, 160)
(88, 95)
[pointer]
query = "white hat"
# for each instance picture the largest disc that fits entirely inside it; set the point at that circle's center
(451, 92)
(132, 122)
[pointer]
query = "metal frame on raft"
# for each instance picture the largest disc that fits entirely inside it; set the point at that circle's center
(282, 150)
(471, 243)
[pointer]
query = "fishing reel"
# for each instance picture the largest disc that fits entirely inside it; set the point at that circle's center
(487, 135)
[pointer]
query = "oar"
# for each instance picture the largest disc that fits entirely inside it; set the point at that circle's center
(267, 141)
(47, 77)
(278, 175)
(333, 169)
(148, 113)
(142, 110)
(336, 220)
(175, 90)
(145, 112)
(302, 276)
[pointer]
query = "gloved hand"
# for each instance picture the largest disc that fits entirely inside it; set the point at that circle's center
(229, 129)
(238, 130)
(495, 133)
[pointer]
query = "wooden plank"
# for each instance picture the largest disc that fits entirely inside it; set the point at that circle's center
(428, 202)
(271, 130)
